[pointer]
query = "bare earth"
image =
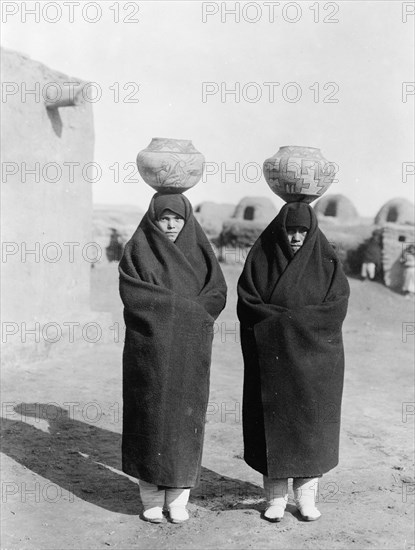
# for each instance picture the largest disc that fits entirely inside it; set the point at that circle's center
(62, 486)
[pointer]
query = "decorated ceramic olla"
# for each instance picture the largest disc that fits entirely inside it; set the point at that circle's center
(299, 173)
(170, 165)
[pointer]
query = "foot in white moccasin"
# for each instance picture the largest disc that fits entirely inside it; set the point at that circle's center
(309, 513)
(153, 500)
(276, 493)
(154, 515)
(176, 501)
(305, 490)
(178, 514)
(275, 512)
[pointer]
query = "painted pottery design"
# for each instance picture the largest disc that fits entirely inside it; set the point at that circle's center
(170, 165)
(299, 173)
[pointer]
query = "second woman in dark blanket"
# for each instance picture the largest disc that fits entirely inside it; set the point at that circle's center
(293, 298)
(173, 289)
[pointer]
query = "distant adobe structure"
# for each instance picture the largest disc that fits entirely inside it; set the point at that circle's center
(46, 198)
(395, 239)
(337, 208)
(239, 233)
(211, 216)
(257, 209)
(113, 226)
(396, 210)
(396, 220)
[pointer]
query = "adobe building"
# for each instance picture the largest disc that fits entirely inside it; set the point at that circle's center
(396, 238)
(251, 217)
(113, 226)
(395, 221)
(336, 208)
(212, 215)
(257, 209)
(47, 147)
(397, 210)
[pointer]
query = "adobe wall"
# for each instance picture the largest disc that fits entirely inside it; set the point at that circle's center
(52, 283)
(395, 238)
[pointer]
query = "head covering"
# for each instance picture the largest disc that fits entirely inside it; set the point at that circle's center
(298, 215)
(180, 266)
(174, 202)
(272, 258)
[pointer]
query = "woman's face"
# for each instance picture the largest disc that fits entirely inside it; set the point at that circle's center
(296, 237)
(171, 224)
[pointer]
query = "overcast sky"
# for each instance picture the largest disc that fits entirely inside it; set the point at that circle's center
(341, 69)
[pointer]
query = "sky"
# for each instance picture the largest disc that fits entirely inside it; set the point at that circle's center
(334, 75)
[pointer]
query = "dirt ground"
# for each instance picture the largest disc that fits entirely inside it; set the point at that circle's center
(62, 487)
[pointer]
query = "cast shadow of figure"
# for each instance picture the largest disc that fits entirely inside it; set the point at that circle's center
(78, 457)
(219, 493)
(83, 458)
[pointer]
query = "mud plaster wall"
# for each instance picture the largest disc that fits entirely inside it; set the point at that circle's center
(395, 238)
(43, 211)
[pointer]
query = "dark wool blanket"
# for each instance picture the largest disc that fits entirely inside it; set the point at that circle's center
(172, 293)
(291, 309)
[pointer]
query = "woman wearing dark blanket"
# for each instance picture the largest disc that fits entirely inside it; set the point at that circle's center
(173, 289)
(293, 298)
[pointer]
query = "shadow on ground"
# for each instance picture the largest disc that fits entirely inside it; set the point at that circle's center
(85, 460)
